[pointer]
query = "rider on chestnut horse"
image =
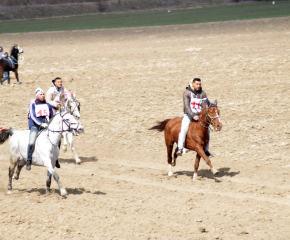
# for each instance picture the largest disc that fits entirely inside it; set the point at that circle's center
(194, 99)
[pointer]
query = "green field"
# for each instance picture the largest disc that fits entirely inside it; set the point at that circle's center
(151, 18)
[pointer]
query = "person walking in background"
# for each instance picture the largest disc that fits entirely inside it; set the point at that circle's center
(6, 74)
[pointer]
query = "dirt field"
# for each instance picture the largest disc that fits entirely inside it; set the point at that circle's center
(126, 79)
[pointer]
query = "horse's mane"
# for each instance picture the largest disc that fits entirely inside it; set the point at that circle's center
(12, 50)
(51, 119)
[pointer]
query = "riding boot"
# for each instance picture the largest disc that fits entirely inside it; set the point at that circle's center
(207, 153)
(28, 165)
(179, 152)
(57, 164)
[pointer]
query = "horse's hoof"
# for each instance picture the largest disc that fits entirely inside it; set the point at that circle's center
(173, 164)
(63, 192)
(215, 172)
(15, 177)
(78, 161)
(194, 177)
(170, 174)
(64, 149)
(9, 192)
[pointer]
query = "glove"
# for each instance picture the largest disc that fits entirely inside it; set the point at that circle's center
(43, 125)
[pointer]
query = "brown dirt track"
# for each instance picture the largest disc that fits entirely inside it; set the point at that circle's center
(126, 79)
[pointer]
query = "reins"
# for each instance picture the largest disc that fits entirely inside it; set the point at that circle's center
(208, 122)
(67, 123)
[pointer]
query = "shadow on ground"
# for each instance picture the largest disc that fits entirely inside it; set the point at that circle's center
(72, 160)
(208, 174)
(72, 191)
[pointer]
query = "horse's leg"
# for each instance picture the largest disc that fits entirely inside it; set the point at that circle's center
(13, 164)
(174, 157)
(20, 165)
(70, 140)
(200, 151)
(64, 147)
(196, 165)
(48, 182)
(169, 158)
(16, 76)
(63, 192)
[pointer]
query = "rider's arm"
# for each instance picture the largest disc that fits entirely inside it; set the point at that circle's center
(49, 98)
(33, 115)
(186, 104)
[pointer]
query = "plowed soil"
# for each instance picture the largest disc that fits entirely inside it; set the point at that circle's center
(126, 80)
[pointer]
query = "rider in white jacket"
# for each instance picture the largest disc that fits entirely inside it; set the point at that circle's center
(55, 93)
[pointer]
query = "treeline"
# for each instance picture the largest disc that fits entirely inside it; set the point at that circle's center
(31, 9)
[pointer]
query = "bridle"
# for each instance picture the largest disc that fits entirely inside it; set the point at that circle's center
(67, 123)
(77, 105)
(209, 122)
(21, 57)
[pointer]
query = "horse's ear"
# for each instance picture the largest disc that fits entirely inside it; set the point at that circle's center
(215, 102)
(207, 102)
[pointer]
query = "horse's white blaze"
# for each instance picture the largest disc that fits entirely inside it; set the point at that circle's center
(170, 173)
(218, 116)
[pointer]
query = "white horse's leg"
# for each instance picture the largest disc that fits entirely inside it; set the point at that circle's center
(48, 182)
(63, 192)
(170, 173)
(70, 140)
(13, 163)
(20, 165)
(64, 146)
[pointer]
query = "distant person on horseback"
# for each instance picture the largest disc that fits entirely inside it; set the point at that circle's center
(6, 74)
(55, 93)
(39, 113)
(194, 99)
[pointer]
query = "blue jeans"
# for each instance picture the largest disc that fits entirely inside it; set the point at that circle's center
(32, 139)
(6, 76)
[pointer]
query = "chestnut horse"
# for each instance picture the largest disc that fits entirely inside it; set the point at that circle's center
(197, 135)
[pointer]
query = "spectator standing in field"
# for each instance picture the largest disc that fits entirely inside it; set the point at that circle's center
(6, 74)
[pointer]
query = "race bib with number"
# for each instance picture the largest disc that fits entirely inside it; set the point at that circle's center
(41, 110)
(195, 104)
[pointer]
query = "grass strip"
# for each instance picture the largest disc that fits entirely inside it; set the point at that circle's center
(151, 18)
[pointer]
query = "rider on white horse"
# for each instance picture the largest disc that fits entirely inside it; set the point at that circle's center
(194, 99)
(55, 93)
(39, 113)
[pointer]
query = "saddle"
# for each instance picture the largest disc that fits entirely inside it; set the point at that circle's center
(11, 60)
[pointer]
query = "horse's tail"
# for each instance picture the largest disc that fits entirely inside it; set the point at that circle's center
(5, 134)
(160, 126)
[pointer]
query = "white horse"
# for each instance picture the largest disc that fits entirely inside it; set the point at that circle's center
(73, 106)
(46, 147)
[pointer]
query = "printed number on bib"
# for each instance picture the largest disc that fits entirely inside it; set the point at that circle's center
(41, 110)
(195, 105)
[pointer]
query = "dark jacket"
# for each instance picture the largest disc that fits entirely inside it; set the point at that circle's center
(33, 120)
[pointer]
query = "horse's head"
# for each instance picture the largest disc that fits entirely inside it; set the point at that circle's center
(213, 115)
(18, 49)
(72, 105)
(69, 123)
